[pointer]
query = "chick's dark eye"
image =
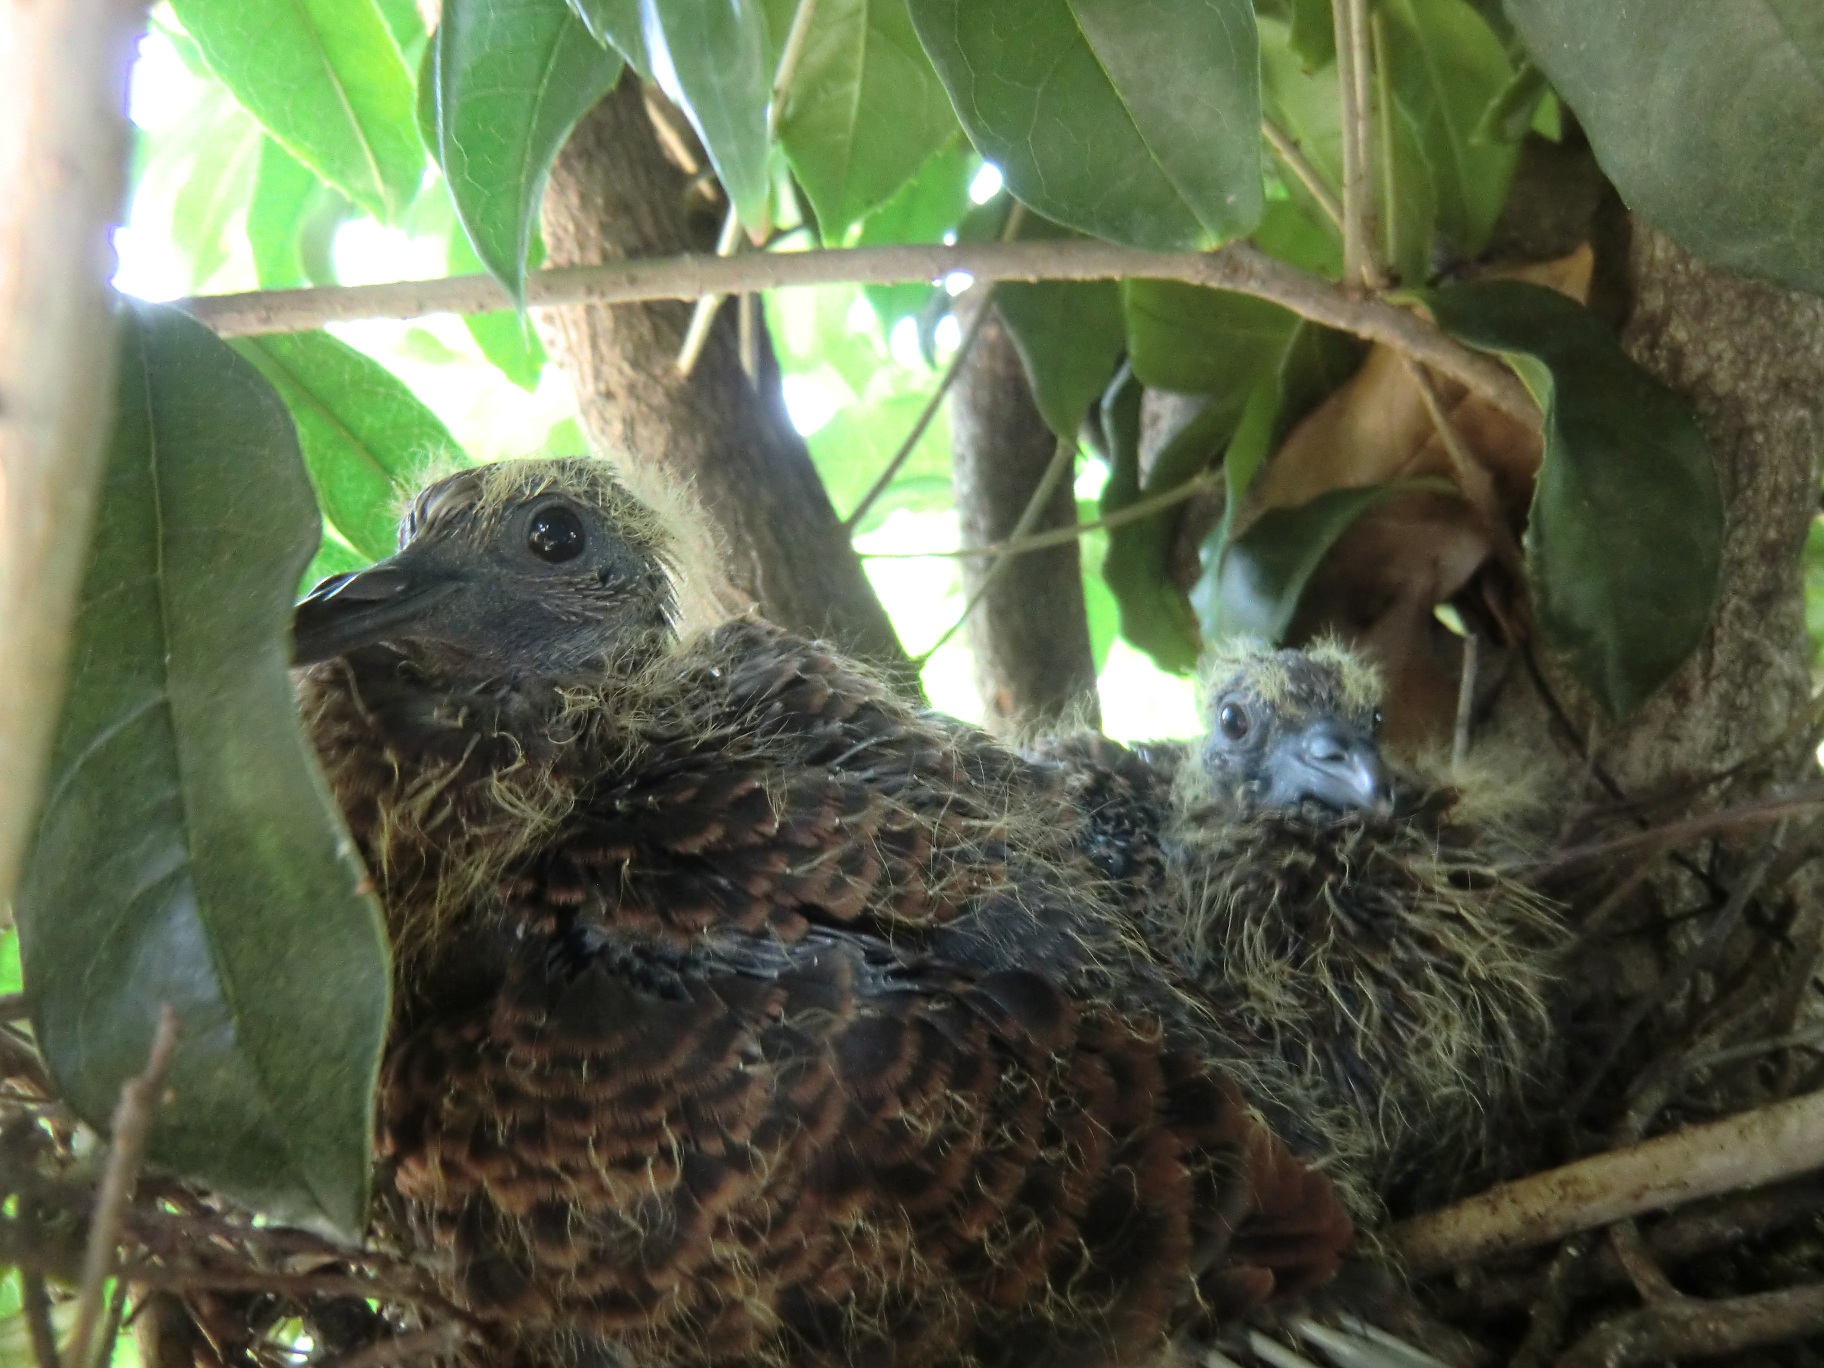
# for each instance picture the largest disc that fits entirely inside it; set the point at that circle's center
(1233, 719)
(555, 534)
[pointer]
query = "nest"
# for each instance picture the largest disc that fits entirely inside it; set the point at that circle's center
(1668, 1205)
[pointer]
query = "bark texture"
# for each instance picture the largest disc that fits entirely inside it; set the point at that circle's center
(1033, 665)
(614, 195)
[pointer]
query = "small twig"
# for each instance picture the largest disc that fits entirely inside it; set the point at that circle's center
(1300, 166)
(1649, 1279)
(1805, 802)
(697, 334)
(1742, 1151)
(789, 57)
(671, 134)
(747, 333)
(1061, 461)
(1058, 536)
(1237, 267)
(133, 1114)
(1691, 1328)
(1466, 700)
(916, 433)
(1545, 1322)
(37, 1304)
(1352, 88)
(1793, 1040)
(401, 1348)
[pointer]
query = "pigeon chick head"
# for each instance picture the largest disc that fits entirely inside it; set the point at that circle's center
(1294, 729)
(532, 569)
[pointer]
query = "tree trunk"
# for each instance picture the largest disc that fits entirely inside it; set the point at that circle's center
(614, 195)
(1030, 634)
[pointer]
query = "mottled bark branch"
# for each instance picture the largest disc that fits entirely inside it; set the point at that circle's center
(1030, 635)
(613, 195)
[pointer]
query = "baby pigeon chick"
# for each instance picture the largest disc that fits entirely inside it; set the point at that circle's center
(746, 1015)
(1382, 980)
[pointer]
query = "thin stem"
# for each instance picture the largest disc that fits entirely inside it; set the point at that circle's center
(1352, 92)
(1061, 461)
(1237, 267)
(1389, 206)
(1296, 162)
(697, 334)
(1466, 700)
(789, 57)
(1058, 536)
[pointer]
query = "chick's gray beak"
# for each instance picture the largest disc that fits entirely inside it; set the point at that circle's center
(1330, 762)
(345, 612)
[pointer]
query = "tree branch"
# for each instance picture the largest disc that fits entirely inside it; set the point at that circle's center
(1237, 267)
(1743, 1151)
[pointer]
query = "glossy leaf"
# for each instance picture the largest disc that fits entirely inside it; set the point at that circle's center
(863, 112)
(1624, 541)
(507, 339)
(1070, 337)
(1709, 118)
(1135, 123)
(1446, 68)
(187, 852)
(711, 57)
(327, 80)
(512, 77)
(617, 24)
(366, 438)
(1262, 573)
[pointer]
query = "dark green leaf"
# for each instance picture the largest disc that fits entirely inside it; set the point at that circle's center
(187, 852)
(367, 439)
(1198, 341)
(1070, 337)
(1408, 207)
(1136, 123)
(710, 56)
(863, 112)
(1446, 68)
(1512, 112)
(1624, 541)
(1262, 573)
(512, 78)
(1247, 451)
(1708, 117)
(617, 24)
(1314, 33)
(1297, 232)
(926, 207)
(506, 339)
(327, 80)
(285, 191)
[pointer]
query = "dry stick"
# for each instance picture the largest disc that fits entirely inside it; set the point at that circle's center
(1296, 162)
(132, 1120)
(1552, 1307)
(1039, 541)
(1237, 267)
(1800, 803)
(697, 334)
(1041, 495)
(1689, 1328)
(1352, 90)
(1742, 1151)
(1466, 700)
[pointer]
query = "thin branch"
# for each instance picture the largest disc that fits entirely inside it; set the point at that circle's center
(1061, 461)
(1237, 267)
(1058, 536)
(917, 431)
(1671, 1331)
(132, 1120)
(704, 315)
(1466, 700)
(1300, 166)
(1742, 1151)
(1800, 803)
(37, 1305)
(1352, 91)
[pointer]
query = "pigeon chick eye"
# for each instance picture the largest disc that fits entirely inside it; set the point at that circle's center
(1233, 719)
(555, 535)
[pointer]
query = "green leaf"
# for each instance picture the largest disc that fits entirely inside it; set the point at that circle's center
(366, 438)
(511, 77)
(1446, 68)
(406, 24)
(1135, 123)
(285, 191)
(219, 184)
(1198, 341)
(1708, 117)
(710, 56)
(926, 207)
(1070, 337)
(1262, 573)
(506, 339)
(1314, 33)
(863, 111)
(1624, 542)
(853, 448)
(327, 80)
(1302, 101)
(617, 24)
(187, 852)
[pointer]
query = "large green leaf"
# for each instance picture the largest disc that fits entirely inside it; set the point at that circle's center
(1446, 68)
(617, 24)
(366, 438)
(505, 338)
(863, 111)
(711, 57)
(1070, 336)
(926, 207)
(187, 852)
(1624, 542)
(1136, 123)
(511, 78)
(327, 80)
(286, 193)
(1708, 117)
